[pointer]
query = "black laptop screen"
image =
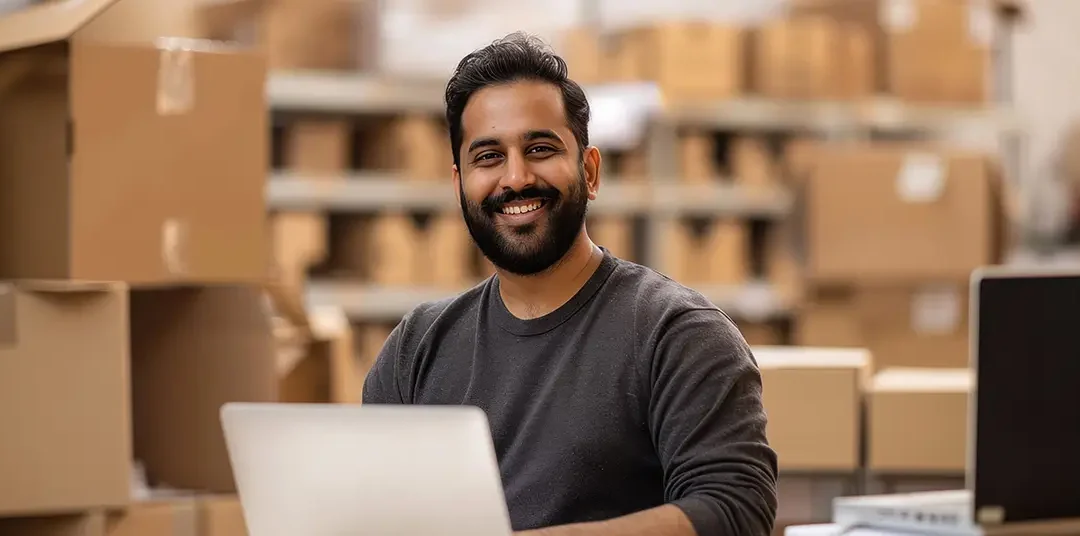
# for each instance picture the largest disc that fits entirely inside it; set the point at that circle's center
(1027, 454)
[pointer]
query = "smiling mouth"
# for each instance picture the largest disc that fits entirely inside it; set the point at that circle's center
(523, 207)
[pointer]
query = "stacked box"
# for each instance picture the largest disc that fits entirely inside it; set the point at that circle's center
(894, 232)
(167, 516)
(297, 34)
(691, 61)
(812, 58)
(957, 34)
(133, 252)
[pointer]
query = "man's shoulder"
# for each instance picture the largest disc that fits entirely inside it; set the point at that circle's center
(655, 295)
(452, 308)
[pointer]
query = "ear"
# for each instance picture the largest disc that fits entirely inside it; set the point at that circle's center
(592, 160)
(457, 179)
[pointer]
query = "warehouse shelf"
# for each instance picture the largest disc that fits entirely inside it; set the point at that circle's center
(880, 114)
(364, 302)
(370, 192)
(351, 93)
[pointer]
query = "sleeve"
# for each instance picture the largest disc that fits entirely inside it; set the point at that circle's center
(708, 423)
(381, 386)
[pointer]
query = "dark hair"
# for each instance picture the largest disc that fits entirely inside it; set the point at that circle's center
(518, 56)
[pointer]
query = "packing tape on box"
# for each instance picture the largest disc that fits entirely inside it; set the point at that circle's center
(174, 237)
(9, 335)
(176, 78)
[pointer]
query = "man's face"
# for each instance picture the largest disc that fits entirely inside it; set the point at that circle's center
(524, 187)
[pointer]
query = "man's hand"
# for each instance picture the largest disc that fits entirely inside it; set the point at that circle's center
(664, 520)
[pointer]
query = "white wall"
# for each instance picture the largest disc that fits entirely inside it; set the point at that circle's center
(1046, 85)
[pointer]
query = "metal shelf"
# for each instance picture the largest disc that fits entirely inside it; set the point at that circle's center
(371, 192)
(880, 114)
(349, 93)
(363, 302)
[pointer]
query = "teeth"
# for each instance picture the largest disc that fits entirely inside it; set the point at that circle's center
(521, 209)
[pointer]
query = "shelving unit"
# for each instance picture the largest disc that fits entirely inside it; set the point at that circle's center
(662, 200)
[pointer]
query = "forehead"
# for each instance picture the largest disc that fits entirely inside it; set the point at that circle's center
(509, 110)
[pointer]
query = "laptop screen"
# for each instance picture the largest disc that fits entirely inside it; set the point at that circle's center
(1027, 452)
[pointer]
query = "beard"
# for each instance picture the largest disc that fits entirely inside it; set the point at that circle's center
(534, 247)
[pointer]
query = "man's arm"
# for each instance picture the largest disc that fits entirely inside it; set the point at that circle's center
(664, 520)
(709, 427)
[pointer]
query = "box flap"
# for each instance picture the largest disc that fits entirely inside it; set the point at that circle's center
(914, 380)
(801, 357)
(61, 286)
(47, 22)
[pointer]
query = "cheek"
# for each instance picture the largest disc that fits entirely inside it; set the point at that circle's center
(479, 185)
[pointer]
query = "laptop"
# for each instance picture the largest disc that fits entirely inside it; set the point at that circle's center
(1024, 421)
(365, 470)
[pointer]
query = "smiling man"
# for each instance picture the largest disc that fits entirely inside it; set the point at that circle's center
(621, 402)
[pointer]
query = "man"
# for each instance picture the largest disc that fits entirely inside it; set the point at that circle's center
(621, 403)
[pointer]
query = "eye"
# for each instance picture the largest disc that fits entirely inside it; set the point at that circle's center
(488, 156)
(539, 149)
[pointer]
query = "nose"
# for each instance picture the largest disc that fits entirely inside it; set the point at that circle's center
(518, 176)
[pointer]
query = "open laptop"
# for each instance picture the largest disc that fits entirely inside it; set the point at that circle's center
(365, 470)
(1024, 421)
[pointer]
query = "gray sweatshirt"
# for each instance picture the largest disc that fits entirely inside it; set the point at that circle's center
(638, 392)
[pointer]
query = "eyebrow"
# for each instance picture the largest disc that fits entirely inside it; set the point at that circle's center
(532, 135)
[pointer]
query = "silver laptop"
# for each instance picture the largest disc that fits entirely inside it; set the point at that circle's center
(1024, 420)
(365, 470)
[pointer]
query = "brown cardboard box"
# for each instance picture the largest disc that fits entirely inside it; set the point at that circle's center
(194, 349)
(958, 34)
(178, 516)
(866, 41)
(813, 397)
(64, 397)
(325, 372)
(221, 516)
(895, 213)
(917, 421)
(318, 146)
(689, 60)
(829, 319)
(124, 160)
(806, 58)
(297, 34)
(300, 242)
(921, 326)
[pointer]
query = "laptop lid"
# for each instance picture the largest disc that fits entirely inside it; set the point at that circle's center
(1025, 453)
(365, 470)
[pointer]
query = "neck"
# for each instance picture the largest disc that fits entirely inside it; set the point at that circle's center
(533, 296)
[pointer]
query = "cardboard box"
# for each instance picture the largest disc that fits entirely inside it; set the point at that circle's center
(127, 160)
(64, 397)
(178, 516)
(300, 242)
(900, 213)
(691, 61)
(958, 34)
(137, 376)
(918, 421)
(297, 34)
(921, 325)
(814, 398)
(812, 58)
(194, 349)
(324, 372)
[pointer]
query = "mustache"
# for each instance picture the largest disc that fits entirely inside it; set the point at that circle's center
(495, 202)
